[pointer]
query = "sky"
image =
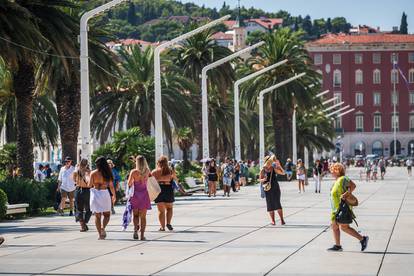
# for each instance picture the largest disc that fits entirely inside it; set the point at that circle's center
(376, 13)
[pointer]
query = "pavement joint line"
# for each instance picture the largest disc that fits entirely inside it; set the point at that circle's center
(393, 228)
(231, 240)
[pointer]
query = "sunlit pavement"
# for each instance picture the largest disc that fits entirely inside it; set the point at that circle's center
(228, 236)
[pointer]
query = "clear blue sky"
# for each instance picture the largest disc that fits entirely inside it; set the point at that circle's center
(382, 13)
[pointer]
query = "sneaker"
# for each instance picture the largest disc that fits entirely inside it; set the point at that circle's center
(135, 236)
(335, 248)
(364, 243)
(169, 226)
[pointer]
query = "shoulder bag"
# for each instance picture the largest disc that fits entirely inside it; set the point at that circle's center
(268, 185)
(153, 188)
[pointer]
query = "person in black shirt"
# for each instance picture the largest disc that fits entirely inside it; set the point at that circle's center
(317, 174)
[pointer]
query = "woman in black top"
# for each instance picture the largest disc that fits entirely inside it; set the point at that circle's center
(269, 173)
(212, 178)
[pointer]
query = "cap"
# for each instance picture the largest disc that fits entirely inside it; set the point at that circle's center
(68, 159)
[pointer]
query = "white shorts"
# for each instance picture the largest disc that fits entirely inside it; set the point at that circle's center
(100, 201)
(301, 177)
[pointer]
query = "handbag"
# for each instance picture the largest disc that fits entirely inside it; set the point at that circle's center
(153, 188)
(268, 185)
(344, 215)
(350, 199)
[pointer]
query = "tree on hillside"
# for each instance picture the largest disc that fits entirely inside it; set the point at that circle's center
(328, 25)
(132, 16)
(404, 24)
(307, 25)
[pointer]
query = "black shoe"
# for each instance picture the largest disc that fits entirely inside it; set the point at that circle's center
(335, 248)
(71, 213)
(169, 226)
(135, 236)
(364, 243)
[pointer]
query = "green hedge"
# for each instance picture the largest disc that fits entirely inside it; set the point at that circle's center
(38, 195)
(3, 202)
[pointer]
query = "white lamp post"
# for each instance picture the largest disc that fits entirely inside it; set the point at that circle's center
(294, 140)
(157, 80)
(322, 93)
(330, 100)
(333, 107)
(237, 104)
(338, 111)
(204, 92)
(261, 112)
(85, 128)
(344, 113)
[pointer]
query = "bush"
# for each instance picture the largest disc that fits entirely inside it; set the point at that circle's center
(8, 159)
(3, 202)
(22, 190)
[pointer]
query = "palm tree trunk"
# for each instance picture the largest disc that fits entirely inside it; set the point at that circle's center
(11, 135)
(68, 109)
(278, 125)
(24, 84)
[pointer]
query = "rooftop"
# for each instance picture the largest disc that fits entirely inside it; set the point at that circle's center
(379, 38)
(222, 36)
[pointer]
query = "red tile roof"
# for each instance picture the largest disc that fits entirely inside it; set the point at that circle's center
(130, 41)
(265, 22)
(229, 23)
(222, 36)
(362, 39)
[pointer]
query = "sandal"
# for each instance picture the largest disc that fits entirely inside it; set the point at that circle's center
(135, 236)
(169, 226)
(161, 229)
(103, 233)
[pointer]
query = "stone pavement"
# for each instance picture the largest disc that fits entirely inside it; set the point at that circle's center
(228, 236)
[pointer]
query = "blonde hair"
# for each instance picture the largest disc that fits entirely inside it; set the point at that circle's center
(269, 159)
(337, 169)
(141, 165)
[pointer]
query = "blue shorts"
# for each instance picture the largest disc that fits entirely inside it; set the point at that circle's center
(227, 181)
(288, 172)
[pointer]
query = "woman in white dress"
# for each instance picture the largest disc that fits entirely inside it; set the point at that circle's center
(100, 182)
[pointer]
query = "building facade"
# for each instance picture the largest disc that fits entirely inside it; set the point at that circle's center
(359, 70)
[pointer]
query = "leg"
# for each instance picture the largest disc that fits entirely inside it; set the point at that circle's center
(351, 231)
(336, 233)
(136, 220)
(143, 219)
(214, 188)
(169, 207)
(161, 214)
(106, 218)
(210, 188)
(87, 207)
(63, 201)
(272, 217)
(98, 223)
(280, 213)
(71, 196)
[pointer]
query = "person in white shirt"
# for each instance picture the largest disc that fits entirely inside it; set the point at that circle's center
(409, 164)
(39, 175)
(66, 185)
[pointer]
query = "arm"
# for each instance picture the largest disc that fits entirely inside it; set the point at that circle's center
(111, 187)
(131, 178)
(59, 180)
(262, 177)
(117, 181)
(92, 180)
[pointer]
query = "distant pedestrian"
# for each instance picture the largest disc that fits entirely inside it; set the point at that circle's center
(140, 200)
(342, 187)
(289, 169)
(237, 175)
(66, 185)
(164, 175)
(268, 177)
(204, 171)
(409, 164)
(81, 176)
(100, 200)
(116, 182)
(47, 171)
(212, 176)
(317, 175)
(374, 169)
(244, 173)
(39, 175)
(367, 170)
(382, 165)
(228, 172)
(301, 175)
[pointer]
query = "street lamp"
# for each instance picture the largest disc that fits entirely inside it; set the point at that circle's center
(338, 111)
(157, 80)
(261, 112)
(204, 90)
(84, 72)
(333, 107)
(237, 84)
(322, 93)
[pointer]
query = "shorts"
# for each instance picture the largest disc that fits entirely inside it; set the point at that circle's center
(66, 194)
(227, 181)
(289, 173)
(301, 177)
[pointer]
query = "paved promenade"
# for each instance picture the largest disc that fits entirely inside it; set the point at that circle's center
(228, 236)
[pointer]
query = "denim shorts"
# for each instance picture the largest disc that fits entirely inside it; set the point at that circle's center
(227, 181)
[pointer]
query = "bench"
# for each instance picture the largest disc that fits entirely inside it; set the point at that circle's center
(13, 209)
(193, 187)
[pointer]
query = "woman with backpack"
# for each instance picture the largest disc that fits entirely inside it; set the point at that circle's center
(342, 189)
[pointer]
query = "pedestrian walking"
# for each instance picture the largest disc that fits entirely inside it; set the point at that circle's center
(47, 171)
(342, 188)
(164, 175)
(116, 182)
(228, 172)
(100, 200)
(39, 175)
(66, 186)
(204, 171)
(367, 170)
(268, 180)
(289, 169)
(301, 175)
(81, 177)
(237, 173)
(140, 200)
(382, 165)
(212, 175)
(317, 175)
(244, 173)
(409, 164)
(374, 169)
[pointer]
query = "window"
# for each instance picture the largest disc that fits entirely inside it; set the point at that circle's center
(321, 77)
(395, 122)
(359, 99)
(411, 75)
(338, 123)
(376, 77)
(318, 59)
(394, 76)
(337, 59)
(411, 57)
(359, 78)
(377, 122)
(394, 58)
(376, 58)
(337, 95)
(358, 58)
(411, 96)
(394, 98)
(377, 98)
(337, 78)
(411, 122)
(359, 123)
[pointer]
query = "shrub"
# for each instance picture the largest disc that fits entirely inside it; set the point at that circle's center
(3, 202)
(22, 190)
(8, 158)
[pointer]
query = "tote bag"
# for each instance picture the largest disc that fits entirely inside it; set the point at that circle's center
(153, 188)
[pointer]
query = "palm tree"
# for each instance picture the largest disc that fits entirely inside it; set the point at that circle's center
(282, 44)
(131, 104)
(185, 141)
